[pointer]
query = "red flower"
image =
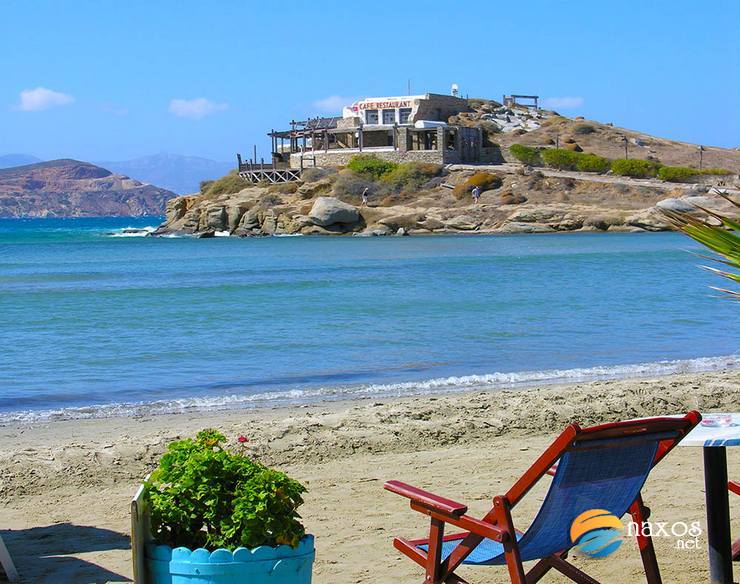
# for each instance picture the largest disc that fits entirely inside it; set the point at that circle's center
(242, 439)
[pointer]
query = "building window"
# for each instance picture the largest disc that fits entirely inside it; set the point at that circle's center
(389, 116)
(371, 116)
(423, 140)
(403, 115)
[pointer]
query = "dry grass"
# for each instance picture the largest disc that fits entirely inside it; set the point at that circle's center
(606, 140)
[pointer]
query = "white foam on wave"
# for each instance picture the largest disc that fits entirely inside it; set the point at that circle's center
(486, 382)
(133, 231)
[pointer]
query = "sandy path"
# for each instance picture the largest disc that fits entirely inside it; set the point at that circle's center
(65, 486)
(513, 168)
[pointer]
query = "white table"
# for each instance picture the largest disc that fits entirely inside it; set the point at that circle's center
(714, 434)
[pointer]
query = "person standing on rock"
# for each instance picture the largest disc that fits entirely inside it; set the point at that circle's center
(364, 197)
(476, 194)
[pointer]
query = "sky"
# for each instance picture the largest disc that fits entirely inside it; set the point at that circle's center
(110, 80)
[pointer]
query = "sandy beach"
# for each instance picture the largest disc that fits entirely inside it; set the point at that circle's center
(65, 486)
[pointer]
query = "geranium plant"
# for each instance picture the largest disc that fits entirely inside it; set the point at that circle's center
(205, 495)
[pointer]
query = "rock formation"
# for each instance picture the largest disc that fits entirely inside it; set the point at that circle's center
(69, 188)
(525, 203)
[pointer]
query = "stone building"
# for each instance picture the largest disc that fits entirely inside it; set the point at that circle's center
(398, 129)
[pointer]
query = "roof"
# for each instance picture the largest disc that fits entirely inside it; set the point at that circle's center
(311, 125)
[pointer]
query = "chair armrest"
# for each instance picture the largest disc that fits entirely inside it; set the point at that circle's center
(733, 487)
(426, 499)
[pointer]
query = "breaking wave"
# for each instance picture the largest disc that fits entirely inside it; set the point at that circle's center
(286, 397)
(133, 231)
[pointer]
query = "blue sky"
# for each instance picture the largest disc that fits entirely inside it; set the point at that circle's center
(105, 80)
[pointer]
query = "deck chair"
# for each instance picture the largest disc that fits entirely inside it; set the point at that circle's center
(7, 562)
(602, 467)
(734, 487)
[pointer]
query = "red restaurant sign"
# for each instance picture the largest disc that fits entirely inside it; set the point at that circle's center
(363, 105)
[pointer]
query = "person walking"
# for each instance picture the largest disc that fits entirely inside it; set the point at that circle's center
(364, 197)
(476, 194)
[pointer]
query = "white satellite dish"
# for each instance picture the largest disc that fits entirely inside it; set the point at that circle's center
(455, 89)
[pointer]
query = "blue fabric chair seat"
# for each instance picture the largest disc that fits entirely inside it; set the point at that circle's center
(586, 478)
(488, 552)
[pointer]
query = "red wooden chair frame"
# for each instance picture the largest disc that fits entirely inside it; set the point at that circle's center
(497, 524)
(734, 487)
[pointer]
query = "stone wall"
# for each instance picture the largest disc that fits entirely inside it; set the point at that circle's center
(439, 107)
(342, 157)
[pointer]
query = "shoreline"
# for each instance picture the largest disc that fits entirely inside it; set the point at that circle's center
(72, 480)
(341, 393)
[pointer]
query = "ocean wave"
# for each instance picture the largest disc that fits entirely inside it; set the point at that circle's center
(132, 231)
(485, 382)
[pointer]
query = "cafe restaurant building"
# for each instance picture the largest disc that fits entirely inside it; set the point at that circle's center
(399, 129)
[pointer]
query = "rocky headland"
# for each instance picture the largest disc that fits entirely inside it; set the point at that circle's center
(516, 196)
(523, 200)
(70, 188)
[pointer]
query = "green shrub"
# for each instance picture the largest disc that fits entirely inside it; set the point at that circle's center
(203, 495)
(370, 167)
(634, 167)
(231, 183)
(410, 176)
(593, 163)
(286, 188)
(349, 187)
(677, 173)
(560, 158)
(526, 154)
(316, 173)
(583, 129)
(485, 181)
(718, 171)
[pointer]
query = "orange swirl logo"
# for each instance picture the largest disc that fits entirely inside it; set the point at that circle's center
(596, 533)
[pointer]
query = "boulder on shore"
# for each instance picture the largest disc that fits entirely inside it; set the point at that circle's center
(329, 211)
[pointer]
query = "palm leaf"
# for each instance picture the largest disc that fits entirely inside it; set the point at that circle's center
(718, 232)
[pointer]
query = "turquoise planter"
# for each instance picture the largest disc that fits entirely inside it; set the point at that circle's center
(262, 565)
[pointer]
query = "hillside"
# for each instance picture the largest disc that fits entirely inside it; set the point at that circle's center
(177, 173)
(70, 188)
(537, 197)
(519, 125)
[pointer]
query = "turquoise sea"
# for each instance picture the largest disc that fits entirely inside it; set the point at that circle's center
(94, 323)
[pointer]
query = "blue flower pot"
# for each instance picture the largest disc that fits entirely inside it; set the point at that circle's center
(262, 565)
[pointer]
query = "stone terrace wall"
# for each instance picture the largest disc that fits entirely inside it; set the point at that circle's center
(342, 157)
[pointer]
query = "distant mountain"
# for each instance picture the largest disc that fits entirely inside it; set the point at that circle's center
(70, 188)
(181, 174)
(10, 160)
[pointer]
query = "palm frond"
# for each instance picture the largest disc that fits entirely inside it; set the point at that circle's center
(716, 231)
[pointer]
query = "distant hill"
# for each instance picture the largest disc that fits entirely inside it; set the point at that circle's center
(180, 174)
(70, 188)
(9, 160)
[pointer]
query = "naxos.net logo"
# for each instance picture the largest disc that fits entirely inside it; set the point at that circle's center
(596, 533)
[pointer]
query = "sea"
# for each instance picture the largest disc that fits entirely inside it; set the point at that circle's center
(97, 320)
